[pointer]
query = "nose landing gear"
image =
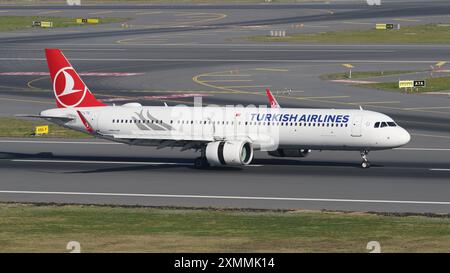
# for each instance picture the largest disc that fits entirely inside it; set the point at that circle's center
(365, 161)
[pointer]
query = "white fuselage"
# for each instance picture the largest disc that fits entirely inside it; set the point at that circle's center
(267, 129)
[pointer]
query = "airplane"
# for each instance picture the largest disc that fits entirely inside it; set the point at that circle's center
(224, 136)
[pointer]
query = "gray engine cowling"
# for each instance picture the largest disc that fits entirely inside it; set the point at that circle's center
(290, 152)
(232, 153)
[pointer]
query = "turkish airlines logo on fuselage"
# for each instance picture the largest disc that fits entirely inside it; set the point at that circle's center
(68, 91)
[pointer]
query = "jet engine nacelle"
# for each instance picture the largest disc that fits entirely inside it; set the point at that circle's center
(232, 153)
(290, 152)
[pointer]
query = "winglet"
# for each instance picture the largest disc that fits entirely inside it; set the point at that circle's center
(85, 122)
(272, 100)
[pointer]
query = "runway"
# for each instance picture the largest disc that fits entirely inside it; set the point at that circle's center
(93, 171)
(174, 61)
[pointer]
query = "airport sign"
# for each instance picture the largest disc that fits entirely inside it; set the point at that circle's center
(41, 130)
(405, 84)
(419, 83)
(42, 24)
(87, 20)
(384, 26)
(411, 84)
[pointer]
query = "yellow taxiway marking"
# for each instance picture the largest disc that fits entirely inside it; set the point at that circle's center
(48, 12)
(197, 79)
(272, 69)
(213, 16)
(22, 100)
(30, 83)
(248, 86)
(101, 12)
(406, 20)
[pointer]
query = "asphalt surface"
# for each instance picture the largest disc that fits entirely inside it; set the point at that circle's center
(177, 55)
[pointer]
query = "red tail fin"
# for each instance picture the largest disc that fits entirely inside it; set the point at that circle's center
(70, 91)
(272, 100)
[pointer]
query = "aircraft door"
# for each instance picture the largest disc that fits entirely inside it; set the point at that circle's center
(356, 126)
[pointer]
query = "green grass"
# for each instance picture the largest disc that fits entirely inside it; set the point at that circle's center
(420, 34)
(46, 228)
(364, 74)
(10, 23)
(432, 85)
(15, 127)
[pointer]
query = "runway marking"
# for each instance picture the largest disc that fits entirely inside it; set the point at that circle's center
(113, 74)
(225, 60)
(424, 149)
(374, 102)
(406, 20)
(258, 198)
(101, 162)
(313, 50)
(117, 143)
(228, 81)
(67, 49)
(271, 69)
(149, 13)
(269, 45)
(426, 135)
(440, 170)
(111, 162)
(325, 97)
(357, 23)
(425, 108)
(101, 12)
(32, 101)
(227, 75)
(49, 12)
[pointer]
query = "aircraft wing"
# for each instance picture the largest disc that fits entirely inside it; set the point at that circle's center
(162, 140)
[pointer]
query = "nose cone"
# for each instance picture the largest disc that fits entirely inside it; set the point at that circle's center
(404, 137)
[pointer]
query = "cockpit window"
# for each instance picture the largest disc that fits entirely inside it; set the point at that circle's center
(377, 124)
(383, 124)
(391, 124)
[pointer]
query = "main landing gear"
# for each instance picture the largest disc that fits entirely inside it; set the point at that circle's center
(365, 162)
(201, 163)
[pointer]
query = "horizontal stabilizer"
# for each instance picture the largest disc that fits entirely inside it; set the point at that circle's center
(64, 119)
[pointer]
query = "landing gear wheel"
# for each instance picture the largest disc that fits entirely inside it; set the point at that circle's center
(365, 162)
(201, 163)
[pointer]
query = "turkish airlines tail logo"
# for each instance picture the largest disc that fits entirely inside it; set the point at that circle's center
(272, 100)
(70, 91)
